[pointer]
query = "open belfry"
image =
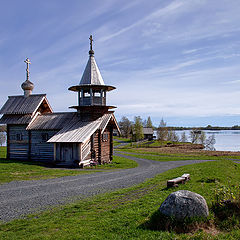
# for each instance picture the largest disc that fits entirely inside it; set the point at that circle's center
(77, 138)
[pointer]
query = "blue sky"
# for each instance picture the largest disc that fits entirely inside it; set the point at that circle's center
(179, 60)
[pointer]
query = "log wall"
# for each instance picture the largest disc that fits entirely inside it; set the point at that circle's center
(41, 149)
(17, 149)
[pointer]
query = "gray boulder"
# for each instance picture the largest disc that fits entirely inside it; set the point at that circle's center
(183, 203)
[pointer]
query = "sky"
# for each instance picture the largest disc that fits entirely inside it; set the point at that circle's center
(173, 59)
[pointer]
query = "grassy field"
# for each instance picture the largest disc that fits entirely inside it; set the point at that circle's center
(3, 152)
(126, 214)
(176, 157)
(18, 170)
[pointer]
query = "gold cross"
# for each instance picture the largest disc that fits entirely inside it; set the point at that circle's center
(91, 41)
(27, 61)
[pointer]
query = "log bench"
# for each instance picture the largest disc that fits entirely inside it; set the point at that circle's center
(179, 180)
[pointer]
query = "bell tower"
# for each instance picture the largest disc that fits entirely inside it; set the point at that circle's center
(92, 91)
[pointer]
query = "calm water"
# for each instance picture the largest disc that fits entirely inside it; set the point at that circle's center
(226, 140)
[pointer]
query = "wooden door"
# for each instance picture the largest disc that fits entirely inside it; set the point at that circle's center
(67, 152)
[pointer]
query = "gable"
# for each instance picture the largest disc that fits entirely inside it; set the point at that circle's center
(25, 105)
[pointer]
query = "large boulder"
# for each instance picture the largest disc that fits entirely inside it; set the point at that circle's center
(184, 204)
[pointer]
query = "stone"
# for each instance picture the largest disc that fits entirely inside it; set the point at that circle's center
(184, 204)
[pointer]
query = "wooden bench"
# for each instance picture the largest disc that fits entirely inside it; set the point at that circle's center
(179, 180)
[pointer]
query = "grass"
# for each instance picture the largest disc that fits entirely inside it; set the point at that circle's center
(156, 154)
(127, 214)
(3, 152)
(11, 170)
(127, 140)
(166, 158)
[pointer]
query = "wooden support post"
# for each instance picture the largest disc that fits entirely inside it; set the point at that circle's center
(91, 96)
(80, 152)
(55, 151)
(111, 143)
(99, 147)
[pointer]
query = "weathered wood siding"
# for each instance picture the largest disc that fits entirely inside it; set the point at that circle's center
(17, 149)
(105, 147)
(41, 149)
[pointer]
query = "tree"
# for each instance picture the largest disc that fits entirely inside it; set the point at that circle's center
(2, 138)
(202, 138)
(138, 129)
(209, 143)
(125, 127)
(162, 131)
(3, 128)
(194, 135)
(183, 137)
(149, 123)
(172, 136)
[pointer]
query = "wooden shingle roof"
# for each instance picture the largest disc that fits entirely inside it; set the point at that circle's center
(79, 131)
(50, 121)
(15, 119)
(22, 105)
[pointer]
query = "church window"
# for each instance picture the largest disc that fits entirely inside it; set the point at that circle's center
(44, 137)
(97, 94)
(19, 137)
(105, 137)
(86, 94)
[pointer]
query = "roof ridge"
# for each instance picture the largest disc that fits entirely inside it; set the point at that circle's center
(44, 94)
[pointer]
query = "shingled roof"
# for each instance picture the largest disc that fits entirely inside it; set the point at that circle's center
(80, 131)
(54, 121)
(22, 105)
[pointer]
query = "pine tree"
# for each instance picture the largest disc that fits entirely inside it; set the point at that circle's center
(149, 123)
(138, 129)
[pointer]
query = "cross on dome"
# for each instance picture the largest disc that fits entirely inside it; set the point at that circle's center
(27, 61)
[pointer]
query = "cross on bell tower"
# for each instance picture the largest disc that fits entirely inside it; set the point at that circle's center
(91, 52)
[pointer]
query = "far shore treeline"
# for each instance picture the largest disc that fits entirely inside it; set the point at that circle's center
(148, 123)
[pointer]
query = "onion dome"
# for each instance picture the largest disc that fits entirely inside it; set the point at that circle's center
(27, 85)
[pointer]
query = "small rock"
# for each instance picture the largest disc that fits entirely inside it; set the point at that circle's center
(183, 203)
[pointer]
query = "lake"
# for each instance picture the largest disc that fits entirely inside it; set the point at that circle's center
(226, 140)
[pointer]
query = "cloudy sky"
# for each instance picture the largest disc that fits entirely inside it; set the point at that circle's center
(179, 60)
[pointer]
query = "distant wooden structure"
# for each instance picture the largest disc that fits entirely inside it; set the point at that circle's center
(147, 132)
(78, 138)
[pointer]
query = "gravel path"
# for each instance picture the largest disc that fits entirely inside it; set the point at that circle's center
(23, 197)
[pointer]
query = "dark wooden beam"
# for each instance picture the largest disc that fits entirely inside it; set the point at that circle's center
(111, 143)
(99, 147)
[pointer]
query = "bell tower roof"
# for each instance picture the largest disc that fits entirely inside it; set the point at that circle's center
(91, 76)
(91, 73)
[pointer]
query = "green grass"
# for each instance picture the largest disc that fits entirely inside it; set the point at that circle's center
(127, 140)
(125, 214)
(3, 152)
(160, 156)
(11, 170)
(165, 157)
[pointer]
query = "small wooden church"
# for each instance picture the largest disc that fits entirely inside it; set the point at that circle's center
(79, 138)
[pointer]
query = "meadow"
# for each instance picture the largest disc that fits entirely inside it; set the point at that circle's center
(132, 213)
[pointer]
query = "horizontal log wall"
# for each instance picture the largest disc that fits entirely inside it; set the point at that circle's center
(41, 149)
(18, 149)
(105, 147)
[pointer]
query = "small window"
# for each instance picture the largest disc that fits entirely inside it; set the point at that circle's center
(44, 137)
(97, 94)
(19, 137)
(105, 137)
(86, 94)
